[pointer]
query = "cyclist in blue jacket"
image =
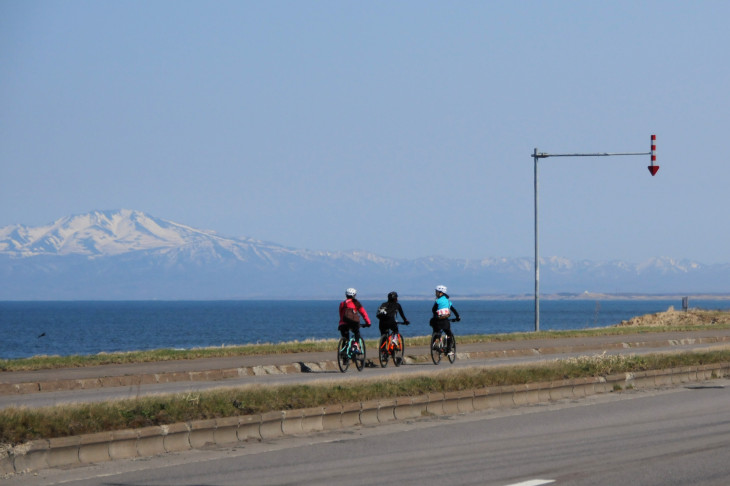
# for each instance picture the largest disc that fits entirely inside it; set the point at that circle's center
(442, 310)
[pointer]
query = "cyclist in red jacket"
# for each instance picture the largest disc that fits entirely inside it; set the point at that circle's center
(349, 324)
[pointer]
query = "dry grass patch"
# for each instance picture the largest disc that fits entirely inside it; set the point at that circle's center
(18, 425)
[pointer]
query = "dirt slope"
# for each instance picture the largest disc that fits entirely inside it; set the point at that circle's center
(692, 317)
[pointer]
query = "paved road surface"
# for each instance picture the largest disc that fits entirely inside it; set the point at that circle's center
(537, 351)
(674, 436)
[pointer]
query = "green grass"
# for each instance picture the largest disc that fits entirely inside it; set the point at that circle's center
(77, 361)
(18, 425)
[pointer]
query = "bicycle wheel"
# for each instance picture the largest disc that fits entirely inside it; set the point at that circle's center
(383, 354)
(343, 361)
(452, 354)
(399, 351)
(359, 359)
(435, 348)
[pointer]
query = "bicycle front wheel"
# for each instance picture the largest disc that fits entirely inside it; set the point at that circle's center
(435, 349)
(383, 354)
(399, 351)
(452, 353)
(343, 362)
(359, 359)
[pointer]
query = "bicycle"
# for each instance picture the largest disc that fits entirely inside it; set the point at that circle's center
(391, 344)
(349, 351)
(440, 344)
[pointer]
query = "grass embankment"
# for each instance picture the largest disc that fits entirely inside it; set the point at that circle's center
(18, 425)
(695, 319)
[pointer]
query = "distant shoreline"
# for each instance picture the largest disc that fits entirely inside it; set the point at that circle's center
(504, 297)
(581, 296)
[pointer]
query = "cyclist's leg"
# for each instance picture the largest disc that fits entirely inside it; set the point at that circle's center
(383, 326)
(393, 328)
(345, 333)
(436, 326)
(355, 327)
(449, 334)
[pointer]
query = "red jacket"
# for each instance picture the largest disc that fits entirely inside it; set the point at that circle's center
(349, 303)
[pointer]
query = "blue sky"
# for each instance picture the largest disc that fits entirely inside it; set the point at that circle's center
(405, 128)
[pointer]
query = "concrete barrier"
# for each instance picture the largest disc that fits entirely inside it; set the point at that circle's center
(271, 425)
(465, 401)
(175, 437)
(292, 422)
(27, 457)
(406, 409)
(386, 410)
(226, 430)
(350, 415)
(64, 451)
(507, 396)
(123, 444)
(94, 448)
(435, 403)
(369, 413)
(202, 433)
(313, 419)
(149, 441)
(332, 417)
(249, 427)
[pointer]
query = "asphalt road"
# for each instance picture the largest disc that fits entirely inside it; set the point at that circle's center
(673, 436)
(377, 373)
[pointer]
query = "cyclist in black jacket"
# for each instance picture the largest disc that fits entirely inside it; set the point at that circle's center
(387, 316)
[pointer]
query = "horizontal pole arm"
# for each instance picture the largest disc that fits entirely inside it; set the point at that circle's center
(543, 155)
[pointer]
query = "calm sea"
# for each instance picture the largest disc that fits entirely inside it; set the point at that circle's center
(65, 328)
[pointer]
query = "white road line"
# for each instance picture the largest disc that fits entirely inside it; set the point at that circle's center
(533, 482)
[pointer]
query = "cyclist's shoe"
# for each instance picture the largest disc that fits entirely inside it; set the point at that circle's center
(450, 352)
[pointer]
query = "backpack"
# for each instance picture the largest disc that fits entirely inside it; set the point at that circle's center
(382, 312)
(351, 315)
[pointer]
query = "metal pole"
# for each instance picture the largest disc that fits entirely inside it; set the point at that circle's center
(537, 155)
(537, 250)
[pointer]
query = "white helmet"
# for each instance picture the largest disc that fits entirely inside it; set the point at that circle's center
(441, 288)
(350, 292)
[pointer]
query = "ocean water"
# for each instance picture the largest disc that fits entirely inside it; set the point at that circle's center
(67, 328)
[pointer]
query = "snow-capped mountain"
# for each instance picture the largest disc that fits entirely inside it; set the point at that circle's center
(131, 255)
(107, 233)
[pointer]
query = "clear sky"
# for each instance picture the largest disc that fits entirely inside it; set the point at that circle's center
(405, 128)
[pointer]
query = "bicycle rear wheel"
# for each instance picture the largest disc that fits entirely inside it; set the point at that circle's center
(452, 354)
(359, 359)
(383, 354)
(343, 362)
(435, 348)
(399, 351)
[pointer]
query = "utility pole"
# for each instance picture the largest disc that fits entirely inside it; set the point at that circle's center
(653, 169)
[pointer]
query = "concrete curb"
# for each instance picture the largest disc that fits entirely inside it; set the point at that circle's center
(150, 441)
(308, 367)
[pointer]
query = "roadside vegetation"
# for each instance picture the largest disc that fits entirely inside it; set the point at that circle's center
(18, 425)
(671, 320)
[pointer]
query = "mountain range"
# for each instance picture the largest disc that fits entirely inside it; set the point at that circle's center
(131, 255)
